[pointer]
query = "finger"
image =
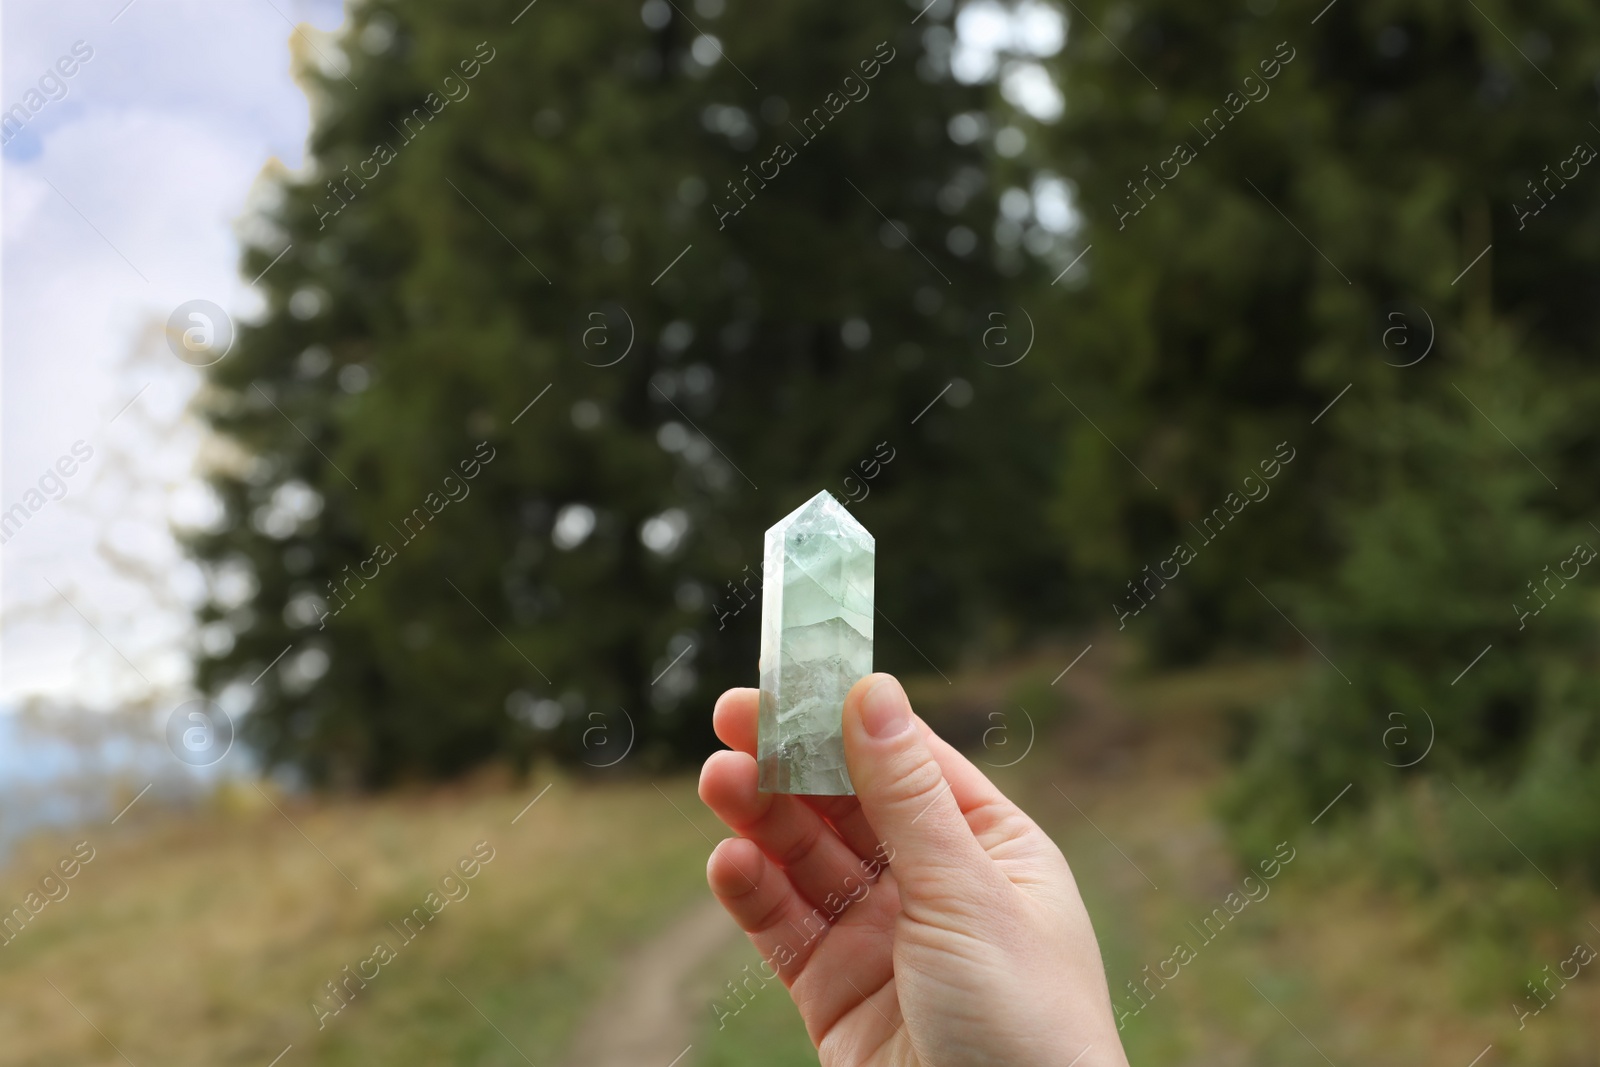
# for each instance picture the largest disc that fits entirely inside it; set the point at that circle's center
(818, 863)
(970, 785)
(1003, 829)
(762, 900)
(908, 800)
(734, 719)
(850, 965)
(844, 814)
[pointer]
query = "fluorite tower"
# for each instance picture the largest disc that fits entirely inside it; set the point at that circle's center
(816, 642)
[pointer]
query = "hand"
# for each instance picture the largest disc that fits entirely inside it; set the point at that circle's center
(971, 946)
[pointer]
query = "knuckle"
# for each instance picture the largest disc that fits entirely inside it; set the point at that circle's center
(800, 847)
(770, 918)
(918, 782)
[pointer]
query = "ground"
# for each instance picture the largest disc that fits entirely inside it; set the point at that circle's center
(209, 936)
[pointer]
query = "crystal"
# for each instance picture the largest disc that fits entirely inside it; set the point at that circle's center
(816, 642)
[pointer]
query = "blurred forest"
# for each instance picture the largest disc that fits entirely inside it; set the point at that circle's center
(578, 301)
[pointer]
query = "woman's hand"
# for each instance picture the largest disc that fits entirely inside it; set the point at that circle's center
(926, 920)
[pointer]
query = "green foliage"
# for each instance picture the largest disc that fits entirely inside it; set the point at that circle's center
(575, 202)
(1317, 240)
(1280, 257)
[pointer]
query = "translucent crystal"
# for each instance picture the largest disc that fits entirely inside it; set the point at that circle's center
(816, 642)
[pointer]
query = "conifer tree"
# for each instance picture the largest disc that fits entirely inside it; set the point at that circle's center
(575, 303)
(1353, 229)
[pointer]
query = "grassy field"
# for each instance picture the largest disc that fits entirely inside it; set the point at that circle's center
(205, 937)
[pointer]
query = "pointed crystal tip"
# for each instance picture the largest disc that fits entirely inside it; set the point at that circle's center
(824, 514)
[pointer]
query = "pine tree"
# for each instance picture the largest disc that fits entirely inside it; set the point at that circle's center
(575, 303)
(1311, 200)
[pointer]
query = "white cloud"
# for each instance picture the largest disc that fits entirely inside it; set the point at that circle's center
(157, 143)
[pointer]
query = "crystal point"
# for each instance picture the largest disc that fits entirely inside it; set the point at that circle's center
(816, 642)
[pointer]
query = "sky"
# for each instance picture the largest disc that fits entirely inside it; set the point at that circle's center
(121, 198)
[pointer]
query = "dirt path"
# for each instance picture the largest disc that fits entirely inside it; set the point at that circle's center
(649, 1019)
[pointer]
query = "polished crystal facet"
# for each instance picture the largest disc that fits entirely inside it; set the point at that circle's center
(816, 642)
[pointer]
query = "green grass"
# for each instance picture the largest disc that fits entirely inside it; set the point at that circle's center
(202, 937)
(1370, 969)
(766, 1030)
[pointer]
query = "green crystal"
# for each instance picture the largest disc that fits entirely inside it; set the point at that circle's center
(816, 642)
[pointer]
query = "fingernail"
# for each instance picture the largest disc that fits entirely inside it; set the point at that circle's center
(885, 711)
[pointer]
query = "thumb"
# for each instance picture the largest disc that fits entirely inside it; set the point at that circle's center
(907, 799)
